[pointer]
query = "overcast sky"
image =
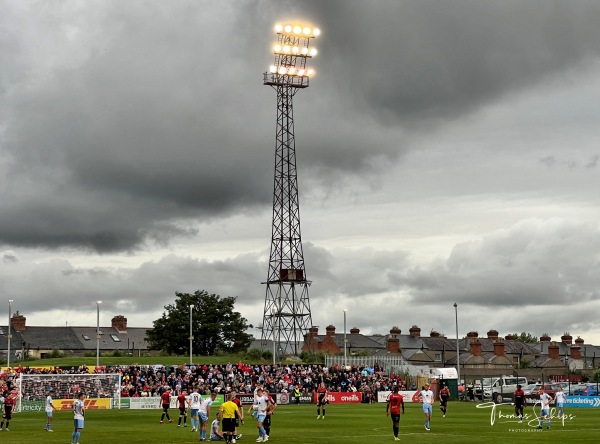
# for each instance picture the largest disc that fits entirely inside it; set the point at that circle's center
(448, 151)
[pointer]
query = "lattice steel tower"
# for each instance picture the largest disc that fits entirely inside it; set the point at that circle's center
(287, 315)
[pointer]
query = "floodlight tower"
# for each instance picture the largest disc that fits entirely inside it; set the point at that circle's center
(286, 316)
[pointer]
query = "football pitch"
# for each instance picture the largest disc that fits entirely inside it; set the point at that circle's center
(348, 424)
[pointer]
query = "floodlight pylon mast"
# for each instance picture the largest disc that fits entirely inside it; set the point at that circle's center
(287, 317)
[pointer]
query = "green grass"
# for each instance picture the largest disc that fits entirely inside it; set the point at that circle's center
(351, 424)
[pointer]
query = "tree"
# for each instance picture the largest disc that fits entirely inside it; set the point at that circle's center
(215, 326)
(527, 338)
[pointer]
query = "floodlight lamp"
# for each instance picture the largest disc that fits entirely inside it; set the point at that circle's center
(288, 28)
(277, 47)
(282, 70)
(292, 70)
(295, 50)
(313, 52)
(301, 72)
(272, 69)
(307, 31)
(297, 29)
(316, 32)
(304, 50)
(278, 27)
(287, 49)
(310, 72)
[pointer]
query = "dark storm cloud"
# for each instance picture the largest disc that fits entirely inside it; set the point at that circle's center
(128, 118)
(418, 59)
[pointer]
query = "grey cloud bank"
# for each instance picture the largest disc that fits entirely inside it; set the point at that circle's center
(447, 152)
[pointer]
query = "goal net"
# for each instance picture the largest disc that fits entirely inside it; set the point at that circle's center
(100, 390)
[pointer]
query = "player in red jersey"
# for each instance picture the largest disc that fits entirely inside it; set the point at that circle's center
(395, 400)
(165, 400)
(239, 418)
(9, 405)
(444, 397)
(519, 402)
(270, 412)
(182, 404)
(321, 399)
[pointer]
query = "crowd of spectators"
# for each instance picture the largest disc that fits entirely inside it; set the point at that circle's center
(146, 380)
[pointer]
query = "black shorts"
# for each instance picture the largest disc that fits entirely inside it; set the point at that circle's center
(182, 411)
(7, 413)
(267, 421)
(395, 417)
(228, 425)
(166, 407)
(322, 400)
(443, 403)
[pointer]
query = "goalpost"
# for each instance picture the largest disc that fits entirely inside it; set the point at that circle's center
(102, 390)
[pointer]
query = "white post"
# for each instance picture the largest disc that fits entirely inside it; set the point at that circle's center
(345, 341)
(191, 334)
(457, 348)
(9, 337)
(273, 311)
(98, 335)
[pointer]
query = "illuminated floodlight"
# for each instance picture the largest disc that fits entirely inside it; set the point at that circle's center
(291, 49)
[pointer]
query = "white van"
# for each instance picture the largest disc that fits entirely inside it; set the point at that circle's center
(500, 389)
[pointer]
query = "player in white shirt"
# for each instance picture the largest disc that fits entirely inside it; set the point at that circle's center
(215, 435)
(49, 409)
(545, 400)
(427, 398)
(78, 417)
(560, 398)
(260, 408)
(194, 401)
(204, 412)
